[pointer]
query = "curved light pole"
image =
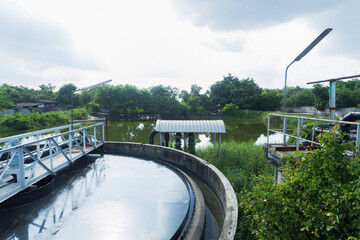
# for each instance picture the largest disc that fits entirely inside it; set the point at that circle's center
(79, 90)
(298, 58)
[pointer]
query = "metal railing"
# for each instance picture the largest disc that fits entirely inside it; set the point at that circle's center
(23, 164)
(300, 122)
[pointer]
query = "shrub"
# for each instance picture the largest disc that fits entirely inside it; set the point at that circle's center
(319, 198)
(233, 110)
(39, 120)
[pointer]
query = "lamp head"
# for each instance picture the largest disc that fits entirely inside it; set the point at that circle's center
(313, 44)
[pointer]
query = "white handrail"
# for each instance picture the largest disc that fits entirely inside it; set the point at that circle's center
(49, 155)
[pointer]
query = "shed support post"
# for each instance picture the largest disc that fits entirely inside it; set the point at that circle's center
(191, 143)
(186, 140)
(219, 146)
(162, 138)
(214, 140)
(167, 139)
(178, 140)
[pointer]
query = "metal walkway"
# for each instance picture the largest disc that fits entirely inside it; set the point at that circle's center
(28, 158)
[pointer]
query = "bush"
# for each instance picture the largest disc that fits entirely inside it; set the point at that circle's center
(16, 122)
(233, 110)
(319, 198)
(39, 120)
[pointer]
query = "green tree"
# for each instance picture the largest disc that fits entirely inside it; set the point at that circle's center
(164, 100)
(321, 96)
(270, 99)
(46, 92)
(230, 109)
(195, 102)
(299, 97)
(245, 93)
(5, 99)
(64, 95)
(348, 93)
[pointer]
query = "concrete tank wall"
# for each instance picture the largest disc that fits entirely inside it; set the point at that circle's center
(208, 173)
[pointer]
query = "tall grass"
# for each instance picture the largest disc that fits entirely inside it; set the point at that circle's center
(239, 162)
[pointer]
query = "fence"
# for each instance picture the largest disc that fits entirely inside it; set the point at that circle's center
(28, 158)
(311, 127)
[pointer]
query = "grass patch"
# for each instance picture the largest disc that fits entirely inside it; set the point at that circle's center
(239, 162)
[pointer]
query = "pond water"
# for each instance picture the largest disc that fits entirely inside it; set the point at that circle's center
(112, 197)
(239, 130)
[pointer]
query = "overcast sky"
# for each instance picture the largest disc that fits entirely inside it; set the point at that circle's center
(175, 42)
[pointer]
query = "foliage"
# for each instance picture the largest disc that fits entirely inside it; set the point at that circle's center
(321, 96)
(5, 99)
(348, 93)
(39, 120)
(244, 93)
(195, 102)
(64, 95)
(319, 198)
(233, 110)
(298, 97)
(270, 99)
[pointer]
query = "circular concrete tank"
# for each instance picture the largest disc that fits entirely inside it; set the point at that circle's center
(207, 173)
(111, 197)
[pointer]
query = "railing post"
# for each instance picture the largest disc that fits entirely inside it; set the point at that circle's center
(284, 129)
(103, 131)
(38, 146)
(70, 145)
(313, 133)
(332, 97)
(21, 175)
(298, 135)
(51, 154)
(301, 127)
(95, 136)
(357, 137)
(84, 138)
(268, 132)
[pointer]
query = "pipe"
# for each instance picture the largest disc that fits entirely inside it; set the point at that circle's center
(350, 117)
(152, 135)
(167, 138)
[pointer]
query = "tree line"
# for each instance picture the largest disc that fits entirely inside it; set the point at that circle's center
(229, 95)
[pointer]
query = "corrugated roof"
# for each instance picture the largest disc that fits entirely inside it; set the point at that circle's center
(187, 126)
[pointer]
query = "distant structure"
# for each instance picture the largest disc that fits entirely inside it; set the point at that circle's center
(37, 104)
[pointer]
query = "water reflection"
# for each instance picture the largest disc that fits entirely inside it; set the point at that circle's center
(113, 197)
(239, 130)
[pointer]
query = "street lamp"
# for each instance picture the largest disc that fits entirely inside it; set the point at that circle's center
(79, 90)
(298, 58)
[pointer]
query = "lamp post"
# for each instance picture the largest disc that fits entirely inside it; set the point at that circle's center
(298, 58)
(79, 90)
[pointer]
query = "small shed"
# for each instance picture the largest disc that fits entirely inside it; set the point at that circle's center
(37, 104)
(186, 128)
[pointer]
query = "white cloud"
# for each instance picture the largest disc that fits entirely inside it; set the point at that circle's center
(230, 15)
(173, 42)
